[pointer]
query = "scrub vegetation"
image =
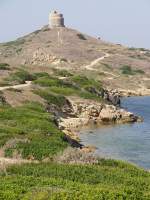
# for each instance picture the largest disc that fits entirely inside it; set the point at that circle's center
(33, 131)
(29, 132)
(71, 86)
(106, 180)
(4, 66)
(127, 70)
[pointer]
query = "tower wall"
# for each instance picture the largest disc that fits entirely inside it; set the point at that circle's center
(56, 20)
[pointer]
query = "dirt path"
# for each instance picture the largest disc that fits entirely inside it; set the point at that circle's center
(96, 61)
(27, 84)
(93, 63)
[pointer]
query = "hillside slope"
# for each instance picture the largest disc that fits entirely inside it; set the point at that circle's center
(123, 68)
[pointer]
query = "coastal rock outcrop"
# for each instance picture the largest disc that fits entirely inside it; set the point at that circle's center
(110, 113)
(112, 96)
(88, 111)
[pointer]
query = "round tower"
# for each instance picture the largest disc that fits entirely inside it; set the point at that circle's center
(56, 20)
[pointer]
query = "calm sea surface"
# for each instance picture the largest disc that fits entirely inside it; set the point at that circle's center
(130, 142)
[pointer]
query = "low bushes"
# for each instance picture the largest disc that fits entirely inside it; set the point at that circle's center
(30, 122)
(63, 73)
(83, 82)
(50, 97)
(127, 70)
(21, 76)
(81, 36)
(78, 182)
(139, 71)
(4, 66)
(66, 91)
(48, 81)
(74, 85)
(17, 42)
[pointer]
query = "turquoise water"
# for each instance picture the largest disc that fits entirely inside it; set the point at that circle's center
(130, 142)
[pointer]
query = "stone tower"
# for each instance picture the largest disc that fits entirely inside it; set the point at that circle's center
(56, 20)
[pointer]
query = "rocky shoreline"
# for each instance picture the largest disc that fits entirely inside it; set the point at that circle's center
(78, 113)
(129, 93)
(85, 111)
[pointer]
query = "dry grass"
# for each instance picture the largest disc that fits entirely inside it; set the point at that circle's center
(76, 156)
(17, 98)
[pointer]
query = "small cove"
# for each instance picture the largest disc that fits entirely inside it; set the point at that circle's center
(129, 142)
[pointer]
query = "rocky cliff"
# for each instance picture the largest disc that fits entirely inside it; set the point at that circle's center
(83, 112)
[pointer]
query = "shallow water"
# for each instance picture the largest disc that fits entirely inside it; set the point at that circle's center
(130, 142)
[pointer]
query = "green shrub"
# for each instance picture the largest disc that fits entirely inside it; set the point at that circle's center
(21, 76)
(132, 49)
(74, 85)
(18, 50)
(4, 66)
(63, 73)
(51, 98)
(33, 123)
(83, 81)
(78, 182)
(66, 91)
(41, 74)
(81, 36)
(143, 49)
(139, 71)
(48, 81)
(15, 42)
(127, 70)
(88, 95)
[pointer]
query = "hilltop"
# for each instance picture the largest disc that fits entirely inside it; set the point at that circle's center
(118, 67)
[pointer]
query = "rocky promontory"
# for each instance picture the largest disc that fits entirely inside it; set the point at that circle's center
(83, 112)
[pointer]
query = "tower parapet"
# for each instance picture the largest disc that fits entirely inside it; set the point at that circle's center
(56, 20)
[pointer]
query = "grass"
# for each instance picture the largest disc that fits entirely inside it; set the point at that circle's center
(20, 77)
(63, 73)
(4, 66)
(50, 97)
(41, 74)
(72, 86)
(127, 70)
(107, 180)
(84, 82)
(31, 122)
(48, 81)
(17, 42)
(139, 71)
(66, 91)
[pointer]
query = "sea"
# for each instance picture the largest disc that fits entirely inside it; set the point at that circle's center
(128, 142)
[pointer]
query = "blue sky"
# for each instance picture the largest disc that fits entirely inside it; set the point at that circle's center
(119, 21)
